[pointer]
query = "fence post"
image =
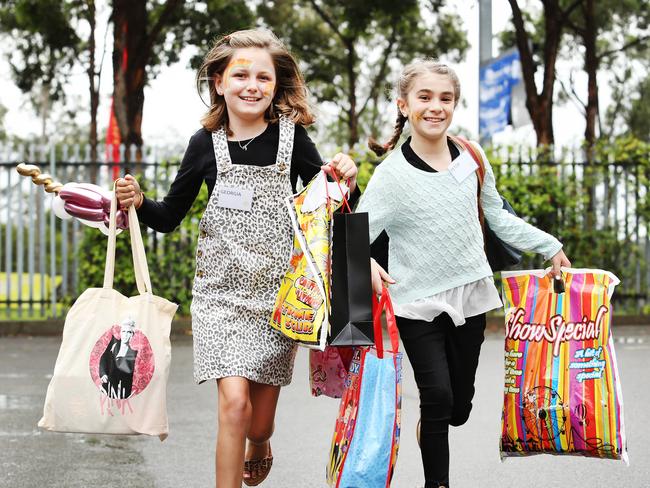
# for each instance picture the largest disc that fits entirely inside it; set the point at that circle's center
(53, 237)
(8, 243)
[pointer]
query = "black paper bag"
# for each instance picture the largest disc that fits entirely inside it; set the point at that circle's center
(351, 321)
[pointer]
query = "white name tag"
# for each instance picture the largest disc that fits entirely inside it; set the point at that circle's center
(463, 166)
(237, 198)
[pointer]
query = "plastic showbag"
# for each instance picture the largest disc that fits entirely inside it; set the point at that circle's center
(366, 436)
(328, 370)
(302, 305)
(562, 391)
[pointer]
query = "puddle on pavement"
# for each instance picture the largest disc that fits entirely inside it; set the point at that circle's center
(20, 434)
(14, 402)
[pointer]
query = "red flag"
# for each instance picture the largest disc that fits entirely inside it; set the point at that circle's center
(113, 141)
(113, 137)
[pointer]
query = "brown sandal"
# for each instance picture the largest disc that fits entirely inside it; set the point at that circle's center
(261, 466)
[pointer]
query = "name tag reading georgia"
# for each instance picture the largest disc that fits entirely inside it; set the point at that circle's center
(237, 198)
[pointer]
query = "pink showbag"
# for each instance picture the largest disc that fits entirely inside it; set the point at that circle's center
(110, 376)
(328, 370)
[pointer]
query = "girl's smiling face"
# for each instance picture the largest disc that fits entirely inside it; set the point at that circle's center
(247, 84)
(429, 105)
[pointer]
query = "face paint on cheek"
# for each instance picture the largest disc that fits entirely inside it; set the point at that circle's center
(418, 116)
(267, 88)
(234, 64)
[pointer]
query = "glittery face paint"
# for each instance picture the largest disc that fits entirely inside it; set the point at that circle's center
(267, 88)
(242, 63)
(430, 105)
(248, 83)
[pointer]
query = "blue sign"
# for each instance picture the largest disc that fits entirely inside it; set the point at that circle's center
(497, 77)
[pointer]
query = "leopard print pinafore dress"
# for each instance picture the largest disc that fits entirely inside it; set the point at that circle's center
(241, 258)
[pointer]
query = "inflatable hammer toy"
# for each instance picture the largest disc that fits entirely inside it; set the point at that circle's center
(88, 203)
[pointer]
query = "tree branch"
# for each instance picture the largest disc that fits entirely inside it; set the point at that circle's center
(569, 10)
(527, 63)
(572, 94)
(576, 28)
(624, 47)
(328, 20)
(618, 97)
(381, 74)
(150, 39)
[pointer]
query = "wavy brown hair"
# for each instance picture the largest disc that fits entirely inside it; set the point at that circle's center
(290, 98)
(404, 85)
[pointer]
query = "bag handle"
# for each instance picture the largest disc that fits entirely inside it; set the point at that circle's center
(378, 306)
(338, 183)
(140, 267)
(480, 172)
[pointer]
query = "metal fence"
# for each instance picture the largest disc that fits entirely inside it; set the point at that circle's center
(40, 254)
(604, 214)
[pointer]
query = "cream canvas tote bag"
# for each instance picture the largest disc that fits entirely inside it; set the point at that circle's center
(111, 373)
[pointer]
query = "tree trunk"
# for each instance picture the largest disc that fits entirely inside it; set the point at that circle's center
(353, 116)
(130, 58)
(45, 108)
(133, 43)
(591, 114)
(94, 89)
(540, 105)
(592, 64)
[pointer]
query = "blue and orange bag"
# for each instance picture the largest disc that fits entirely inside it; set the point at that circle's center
(366, 435)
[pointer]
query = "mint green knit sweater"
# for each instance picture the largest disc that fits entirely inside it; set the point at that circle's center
(436, 241)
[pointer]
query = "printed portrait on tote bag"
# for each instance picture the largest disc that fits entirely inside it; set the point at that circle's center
(122, 361)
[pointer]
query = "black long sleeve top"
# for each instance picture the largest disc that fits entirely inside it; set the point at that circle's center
(199, 165)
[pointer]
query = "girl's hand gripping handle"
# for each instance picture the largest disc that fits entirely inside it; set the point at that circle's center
(379, 276)
(342, 166)
(384, 304)
(128, 192)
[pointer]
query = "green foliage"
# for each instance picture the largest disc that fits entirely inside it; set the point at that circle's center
(553, 198)
(199, 24)
(630, 112)
(45, 45)
(93, 260)
(350, 51)
(366, 161)
(3, 132)
(615, 41)
(176, 263)
(637, 116)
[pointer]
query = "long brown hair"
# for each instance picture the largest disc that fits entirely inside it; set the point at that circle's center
(404, 85)
(290, 98)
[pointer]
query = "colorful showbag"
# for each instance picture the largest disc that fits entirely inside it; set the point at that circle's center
(366, 435)
(328, 370)
(302, 305)
(110, 376)
(562, 392)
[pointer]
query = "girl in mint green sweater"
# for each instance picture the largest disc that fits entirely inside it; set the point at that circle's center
(423, 196)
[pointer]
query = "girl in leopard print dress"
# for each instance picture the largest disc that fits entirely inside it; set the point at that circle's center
(250, 152)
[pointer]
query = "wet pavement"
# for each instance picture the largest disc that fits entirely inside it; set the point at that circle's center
(32, 458)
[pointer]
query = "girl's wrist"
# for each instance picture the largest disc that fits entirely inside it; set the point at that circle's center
(140, 201)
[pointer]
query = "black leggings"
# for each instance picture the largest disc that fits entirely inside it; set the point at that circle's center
(444, 359)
